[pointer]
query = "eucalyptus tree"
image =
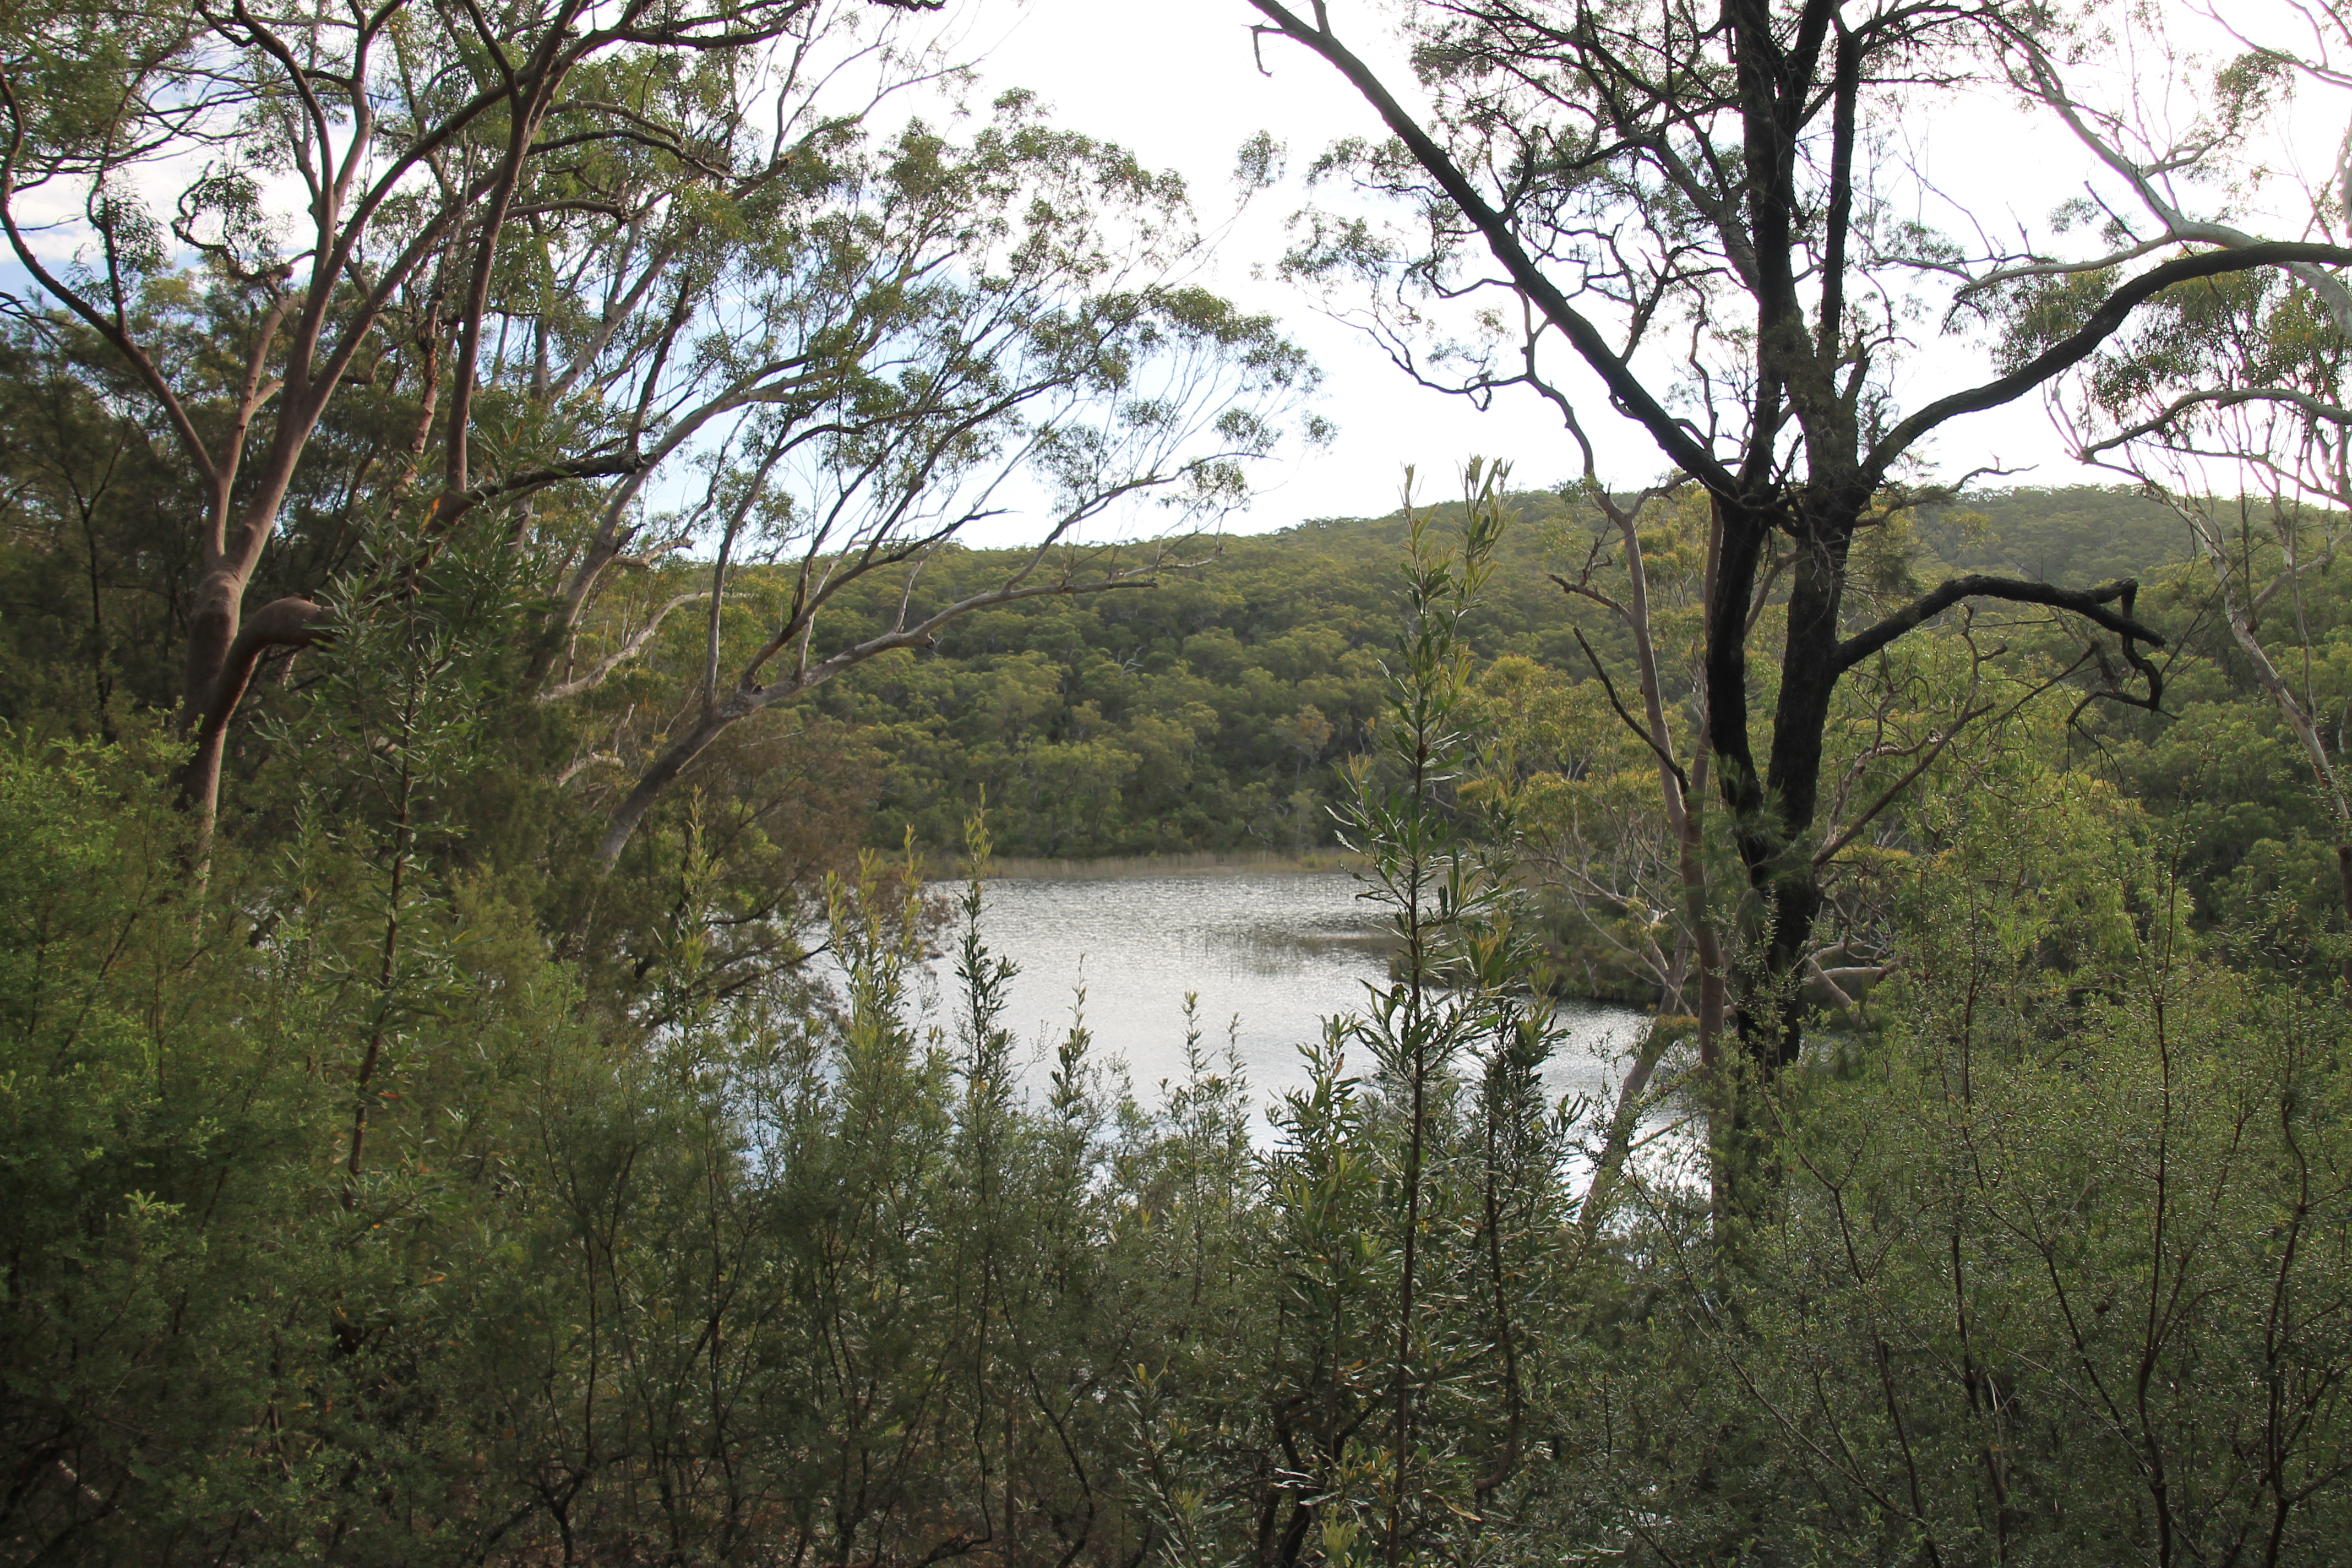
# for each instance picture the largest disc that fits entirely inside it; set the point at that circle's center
(343, 181)
(2228, 399)
(854, 365)
(542, 274)
(1694, 218)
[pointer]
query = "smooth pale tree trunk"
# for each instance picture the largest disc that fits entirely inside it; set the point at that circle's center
(292, 622)
(1683, 796)
(660, 774)
(223, 644)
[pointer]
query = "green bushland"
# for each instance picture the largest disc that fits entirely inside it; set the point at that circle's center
(1213, 711)
(1218, 709)
(404, 1192)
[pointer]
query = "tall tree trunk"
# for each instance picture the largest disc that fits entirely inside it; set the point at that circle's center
(225, 644)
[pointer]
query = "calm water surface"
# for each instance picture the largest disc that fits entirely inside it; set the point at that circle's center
(1270, 955)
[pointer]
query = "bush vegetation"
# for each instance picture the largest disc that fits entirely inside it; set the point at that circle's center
(390, 1199)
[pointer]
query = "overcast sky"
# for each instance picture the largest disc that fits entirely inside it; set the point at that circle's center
(1175, 80)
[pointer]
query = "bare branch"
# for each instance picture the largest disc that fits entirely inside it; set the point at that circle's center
(1665, 758)
(630, 647)
(2091, 604)
(2085, 340)
(2220, 397)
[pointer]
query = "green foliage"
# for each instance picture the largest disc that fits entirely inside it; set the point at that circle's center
(411, 1192)
(88, 576)
(2059, 1276)
(1214, 710)
(694, 1246)
(1217, 711)
(1412, 1207)
(394, 1177)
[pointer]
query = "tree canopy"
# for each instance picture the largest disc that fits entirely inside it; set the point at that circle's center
(502, 728)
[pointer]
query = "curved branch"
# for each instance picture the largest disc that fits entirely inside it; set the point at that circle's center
(1936, 745)
(1636, 399)
(2231, 398)
(1665, 758)
(2179, 226)
(619, 656)
(2091, 604)
(2066, 269)
(1586, 591)
(290, 622)
(625, 466)
(2079, 345)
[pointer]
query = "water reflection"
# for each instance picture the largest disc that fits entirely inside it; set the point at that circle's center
(1270, 955)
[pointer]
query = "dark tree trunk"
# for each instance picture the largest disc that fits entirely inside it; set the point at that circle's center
(1772, 811)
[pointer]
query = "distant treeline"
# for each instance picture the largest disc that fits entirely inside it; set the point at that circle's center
(1216, 708)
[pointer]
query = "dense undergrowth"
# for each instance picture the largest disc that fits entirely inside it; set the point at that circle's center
(394, 1194)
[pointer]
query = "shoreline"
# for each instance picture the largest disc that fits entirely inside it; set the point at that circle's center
(1201, 863)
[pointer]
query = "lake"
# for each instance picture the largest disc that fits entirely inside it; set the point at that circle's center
(1270, 955)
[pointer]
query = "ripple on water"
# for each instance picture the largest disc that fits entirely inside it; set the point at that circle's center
(1270, 955)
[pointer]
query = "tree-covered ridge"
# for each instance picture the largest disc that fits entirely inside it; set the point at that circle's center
(1216, 709)
(480, 503)
(626, 1265)
(1211, 710)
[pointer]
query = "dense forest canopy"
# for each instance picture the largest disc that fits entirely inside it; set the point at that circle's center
(1194, 716)
(498, 708)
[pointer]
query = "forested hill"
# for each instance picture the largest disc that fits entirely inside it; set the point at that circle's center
(1211, 710)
